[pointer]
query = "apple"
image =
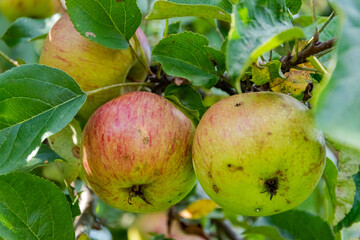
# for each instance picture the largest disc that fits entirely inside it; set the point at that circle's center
(91, 65)
(158, 223)
(258, 154)
(13, 9)
(136, 153)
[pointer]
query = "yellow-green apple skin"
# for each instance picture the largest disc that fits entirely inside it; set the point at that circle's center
(91, 65)
(13, 9)
(136, 153)
(258, 154)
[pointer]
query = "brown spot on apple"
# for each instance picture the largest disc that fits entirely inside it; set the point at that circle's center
(215, 188)
(233, 168)
(146, 140)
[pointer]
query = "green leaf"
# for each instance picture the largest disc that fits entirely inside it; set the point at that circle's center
(110, 23)
(354, 215)
(74, 206)
(259, 27)
(348, 163)
(187, 55)
(330, 177)
(267, 72)
(33, 208)
(267, 231)
(36, 101)
(301, 225)
(28, 29)
(219, 9)
(294, 5)
(44, 156)
(336, 115)
(187, 99)
(174, 28)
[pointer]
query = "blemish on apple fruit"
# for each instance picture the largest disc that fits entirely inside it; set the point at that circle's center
(215, 188)
(269, 133)
(306, 139)
(146, 140)
(277, 210)
(238, 104)
(287, 201)
(209, 175)
(233, 168)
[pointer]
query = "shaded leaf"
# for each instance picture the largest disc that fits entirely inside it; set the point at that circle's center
(187, 99)
(36, 101)
(330, 177)
(294, 5)
(354, 214)
(219, 9)
(198, 209)
(259, 26)
(301, 225)
(174, 28)
(33, 208)
(269, 71)
(110, 23)
(267, 231)
(348, 162)
(66, 143)
(74, 207)
(28, 29)
(187, 55)
(44, 156)
(336, 115)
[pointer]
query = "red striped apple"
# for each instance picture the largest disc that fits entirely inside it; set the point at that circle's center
(91, 65)
(258, 154)
(136, 153)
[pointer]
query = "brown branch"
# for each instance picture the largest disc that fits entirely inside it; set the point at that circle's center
(226, 228)
(315, 48)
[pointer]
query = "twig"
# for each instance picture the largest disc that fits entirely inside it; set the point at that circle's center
(223, 226)
(7, 58)
(315, 48)
(129, 84)
(332, 15)
(225, 86)
(84, 222)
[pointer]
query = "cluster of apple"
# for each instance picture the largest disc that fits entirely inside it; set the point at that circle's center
(256, 154)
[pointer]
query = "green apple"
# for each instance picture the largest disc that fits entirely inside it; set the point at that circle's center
(13, 9)
(258, 154)
(136, 153)
(92, 65)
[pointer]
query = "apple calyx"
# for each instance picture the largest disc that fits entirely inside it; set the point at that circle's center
(137, 191)
(271, 186)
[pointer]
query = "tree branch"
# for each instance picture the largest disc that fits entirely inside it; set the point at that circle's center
(315, 48)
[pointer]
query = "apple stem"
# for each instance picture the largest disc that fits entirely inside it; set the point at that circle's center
(142, 57)
(129, 84)
(10, 60)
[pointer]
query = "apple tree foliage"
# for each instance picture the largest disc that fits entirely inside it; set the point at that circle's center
(202, 51)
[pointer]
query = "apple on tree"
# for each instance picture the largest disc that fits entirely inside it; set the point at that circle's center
(92, 65)
(136, 153)
(13, 9)
(258, 154)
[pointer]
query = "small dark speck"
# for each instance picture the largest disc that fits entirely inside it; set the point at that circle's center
(146, 140)
(215, 188)
(269, 133)
(288, 202)
(237, 104)
(172, 42)
(209, 175)
(277, 210)
(306, 139)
